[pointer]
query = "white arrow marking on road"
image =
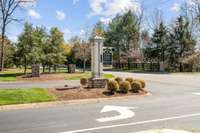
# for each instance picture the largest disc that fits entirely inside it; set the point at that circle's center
(124, 112)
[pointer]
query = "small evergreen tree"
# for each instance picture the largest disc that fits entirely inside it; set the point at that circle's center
(160, 41)
(26, 48)
(182, 42)
(54, 51)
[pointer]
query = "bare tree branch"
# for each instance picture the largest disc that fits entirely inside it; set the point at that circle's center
(7, 9)
(155, 19)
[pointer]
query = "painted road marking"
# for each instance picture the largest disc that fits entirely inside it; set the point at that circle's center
(124, 113)
(163, 131)
(133, 123)
(196, 94)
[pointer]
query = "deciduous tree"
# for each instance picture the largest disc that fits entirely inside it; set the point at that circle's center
(7, 10)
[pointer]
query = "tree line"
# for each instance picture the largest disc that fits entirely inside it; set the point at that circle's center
(37, 45)
(173, 45)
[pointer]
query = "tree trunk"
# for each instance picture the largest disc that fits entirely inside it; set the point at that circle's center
(84, 65)
(181, 67)
(49, 68)
(151, 66)
(55, 68)
(2, 49)
(163, 56)
(43, 69)
(129, 67)
(25, 66)
(143, 66)
(118, 58)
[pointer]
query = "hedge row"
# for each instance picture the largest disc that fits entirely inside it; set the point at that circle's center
(124, 86)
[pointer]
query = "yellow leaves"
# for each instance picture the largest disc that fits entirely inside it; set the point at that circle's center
(66, 48)
(99, 32)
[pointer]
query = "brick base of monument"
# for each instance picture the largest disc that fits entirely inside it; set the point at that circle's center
(97, 83)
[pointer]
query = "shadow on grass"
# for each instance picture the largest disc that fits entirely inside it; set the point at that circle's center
(10, 74)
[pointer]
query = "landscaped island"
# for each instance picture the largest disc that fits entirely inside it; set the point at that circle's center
(116, 87)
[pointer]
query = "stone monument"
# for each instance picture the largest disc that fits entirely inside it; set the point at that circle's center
(71, 68)
(35, 70)
(97, 80)
(162, 67)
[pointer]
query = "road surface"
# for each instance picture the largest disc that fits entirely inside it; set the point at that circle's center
(38, 84)
(175, 104)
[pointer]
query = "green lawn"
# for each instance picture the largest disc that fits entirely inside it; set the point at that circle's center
(77, 76)
(108, 76)
(22, 96)
(11, 75)
(8, 76)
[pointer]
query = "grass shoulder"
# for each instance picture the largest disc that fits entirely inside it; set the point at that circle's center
(22, 96)
(10, 75)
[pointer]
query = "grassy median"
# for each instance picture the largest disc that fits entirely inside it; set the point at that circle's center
(22, 96)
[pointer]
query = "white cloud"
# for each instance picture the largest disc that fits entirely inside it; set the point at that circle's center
(75, 2)
(176, 7)
(60, 15)
(13, 38)
(82, 33)
(109, 8)
(67, 31)
(105, 20)
(34, 14)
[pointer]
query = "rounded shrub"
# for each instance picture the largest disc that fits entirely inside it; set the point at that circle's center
(118, 79)
(129, 79)
(142, 82)
(136, 86)
(83, 81)
(112, 86)
(124, 87)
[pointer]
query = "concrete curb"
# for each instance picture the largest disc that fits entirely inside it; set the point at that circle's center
(70, 102)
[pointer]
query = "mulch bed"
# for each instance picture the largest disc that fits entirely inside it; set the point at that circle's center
(43, 77)
(84, 93)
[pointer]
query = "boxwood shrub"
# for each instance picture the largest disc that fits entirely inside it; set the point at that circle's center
(124, 87)
(118, 79)
(112, 86)
(136, 86)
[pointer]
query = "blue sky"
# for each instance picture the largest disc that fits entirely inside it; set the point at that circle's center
(74, 16)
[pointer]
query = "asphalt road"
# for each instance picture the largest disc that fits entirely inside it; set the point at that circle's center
(38, 84)
(173, 105)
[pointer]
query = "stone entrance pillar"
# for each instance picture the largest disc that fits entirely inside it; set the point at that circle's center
(97, 57)
(35, 70)
(97, 80)
(162, 67)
